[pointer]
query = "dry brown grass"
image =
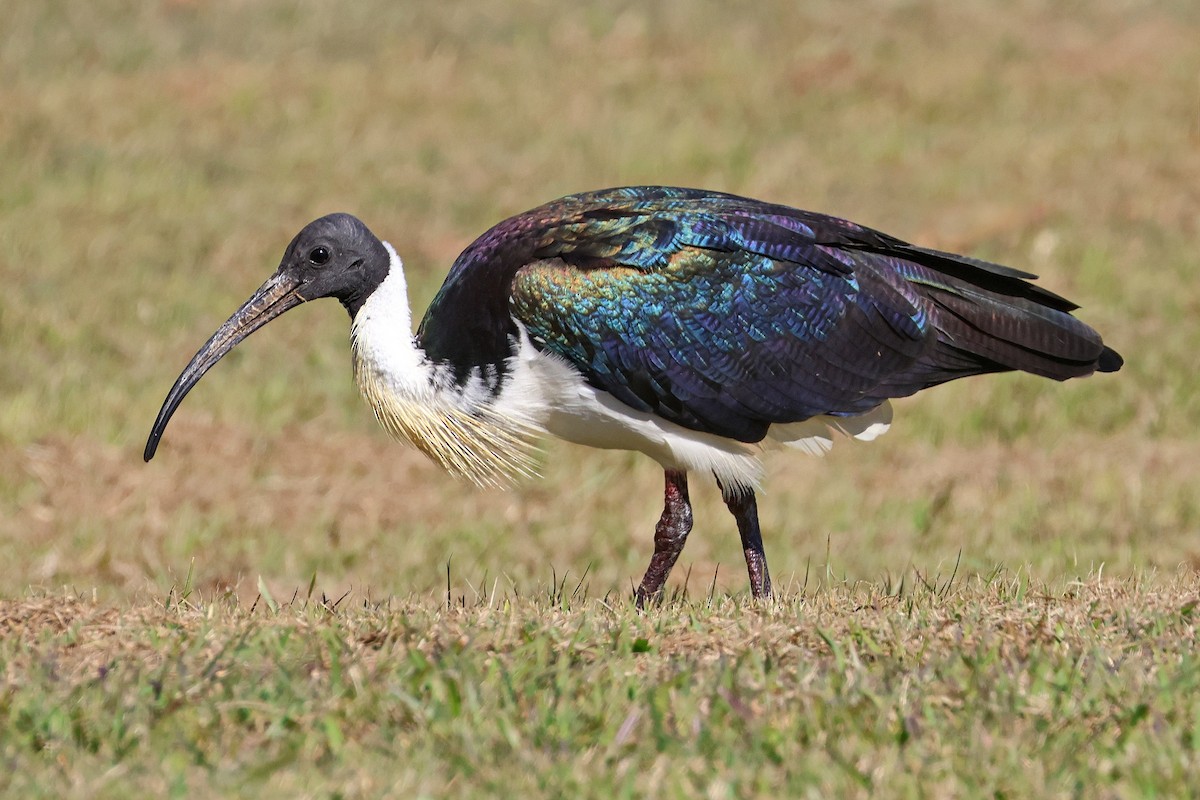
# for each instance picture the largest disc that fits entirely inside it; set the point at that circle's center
(83, 636)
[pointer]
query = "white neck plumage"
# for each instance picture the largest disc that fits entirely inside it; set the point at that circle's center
(419, 402)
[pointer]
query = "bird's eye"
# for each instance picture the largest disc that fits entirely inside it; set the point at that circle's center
(319, 256)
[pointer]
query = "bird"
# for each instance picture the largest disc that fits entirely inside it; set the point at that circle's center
(697, 327)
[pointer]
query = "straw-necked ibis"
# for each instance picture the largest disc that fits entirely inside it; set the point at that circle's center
(696, 327)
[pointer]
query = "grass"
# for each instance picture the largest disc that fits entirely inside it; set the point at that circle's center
(996, 687)
(157, 157)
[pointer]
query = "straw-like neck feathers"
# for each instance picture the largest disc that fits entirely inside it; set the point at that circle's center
(453, 418)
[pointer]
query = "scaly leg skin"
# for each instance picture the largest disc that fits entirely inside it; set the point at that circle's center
(744, 507)
(669, 536)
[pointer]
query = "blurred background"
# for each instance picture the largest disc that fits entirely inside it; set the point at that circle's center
(156, 158)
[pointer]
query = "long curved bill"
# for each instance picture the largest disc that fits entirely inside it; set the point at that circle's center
(273, 298)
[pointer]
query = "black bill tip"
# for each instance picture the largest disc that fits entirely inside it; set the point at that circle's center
(273, 298)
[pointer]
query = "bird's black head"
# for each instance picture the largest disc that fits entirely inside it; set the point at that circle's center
(334, 256)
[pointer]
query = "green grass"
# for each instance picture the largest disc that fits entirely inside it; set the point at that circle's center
(994, 687)
(157, 157)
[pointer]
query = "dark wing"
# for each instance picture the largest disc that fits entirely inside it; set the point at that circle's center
(728, 315)
(724, 342)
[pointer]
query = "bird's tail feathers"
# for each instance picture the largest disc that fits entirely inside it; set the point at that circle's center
(987, 330)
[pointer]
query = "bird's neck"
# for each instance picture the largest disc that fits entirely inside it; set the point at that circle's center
(381, 331)
(421, 401)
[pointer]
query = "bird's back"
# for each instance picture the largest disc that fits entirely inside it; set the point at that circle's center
(727, 315)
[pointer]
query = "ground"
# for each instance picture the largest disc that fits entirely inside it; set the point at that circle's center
(996, 598)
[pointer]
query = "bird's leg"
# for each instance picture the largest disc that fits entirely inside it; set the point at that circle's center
(669, 536)
(741, 503)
